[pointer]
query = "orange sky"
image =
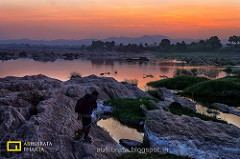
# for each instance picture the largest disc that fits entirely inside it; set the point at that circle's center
(77, 19)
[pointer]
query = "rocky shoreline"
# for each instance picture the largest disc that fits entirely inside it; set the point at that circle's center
(50, 56)
(39, 108)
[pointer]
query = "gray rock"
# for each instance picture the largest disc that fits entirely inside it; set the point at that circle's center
(130, 143)
(186, 102)
(169, 97)
(38, 108)
(164, 104)
(187, 136)
(166, 94)
(101, 111)
(106, 86)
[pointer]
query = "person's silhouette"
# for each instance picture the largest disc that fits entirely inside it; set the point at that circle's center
(84, 108)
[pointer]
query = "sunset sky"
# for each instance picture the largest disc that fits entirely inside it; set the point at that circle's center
(78, 19)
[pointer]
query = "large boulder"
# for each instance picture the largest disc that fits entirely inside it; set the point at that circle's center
(107, 87)
(38, 108)
(188, 136)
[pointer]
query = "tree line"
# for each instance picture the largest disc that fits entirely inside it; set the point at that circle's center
(165, 45)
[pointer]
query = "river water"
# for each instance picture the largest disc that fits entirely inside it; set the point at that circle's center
(119, 131)
(135, 72)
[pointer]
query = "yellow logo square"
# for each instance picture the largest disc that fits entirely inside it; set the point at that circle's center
(17, 146)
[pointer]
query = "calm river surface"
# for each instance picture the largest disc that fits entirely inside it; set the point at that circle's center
(122, 71)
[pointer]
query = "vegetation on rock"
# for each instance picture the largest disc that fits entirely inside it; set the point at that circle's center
(128, 111)
(219, 90)
(155, 93)
(178, 83)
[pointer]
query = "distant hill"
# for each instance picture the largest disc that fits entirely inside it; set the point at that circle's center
(150, 39)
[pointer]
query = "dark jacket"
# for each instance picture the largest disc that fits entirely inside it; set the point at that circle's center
(87, 104)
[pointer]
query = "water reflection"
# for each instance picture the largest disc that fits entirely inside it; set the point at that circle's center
(203, 72)
(164, 69)
(120, 70)
(230, 118)
(118, 131)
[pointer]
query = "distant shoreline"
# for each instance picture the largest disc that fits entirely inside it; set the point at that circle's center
(52, 54)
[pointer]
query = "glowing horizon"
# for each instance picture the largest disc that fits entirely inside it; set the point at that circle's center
(73, 19)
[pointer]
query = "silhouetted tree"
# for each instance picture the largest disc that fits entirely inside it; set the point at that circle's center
(141, 47)
(234, 40)
(83, 47)
(213, 43)
(97, 45)
(23, 54)
(109, 45)
(181, 46)
(165, 44)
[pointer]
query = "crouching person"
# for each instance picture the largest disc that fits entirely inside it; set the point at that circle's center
(84, 107)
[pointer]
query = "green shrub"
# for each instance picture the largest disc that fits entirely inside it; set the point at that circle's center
(218, 90)
(154, 93)
(128, 110)
(179, 83)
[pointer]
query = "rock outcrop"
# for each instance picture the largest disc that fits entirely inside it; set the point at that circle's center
(168, 97)
(107, 87)
(41, 109)
(193, 137)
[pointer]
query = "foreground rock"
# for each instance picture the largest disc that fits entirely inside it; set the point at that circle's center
(187, 136)
(106, 86)
(38, 108)
(102, 111)
(130, 143)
